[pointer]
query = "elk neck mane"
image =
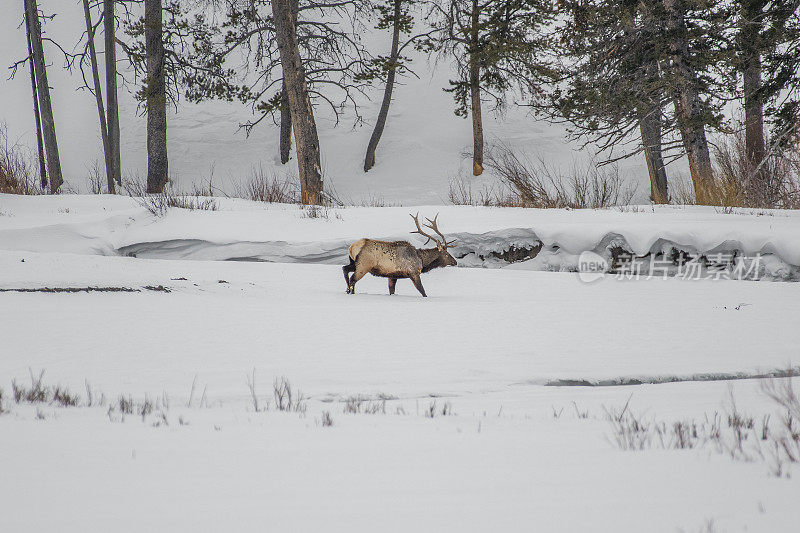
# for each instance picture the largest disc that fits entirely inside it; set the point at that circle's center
(430, 258)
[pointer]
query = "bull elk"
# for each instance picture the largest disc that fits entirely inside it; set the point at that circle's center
(398, 259)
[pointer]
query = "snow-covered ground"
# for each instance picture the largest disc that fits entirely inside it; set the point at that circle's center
(513, 452)
(245, 230)
(508, 447)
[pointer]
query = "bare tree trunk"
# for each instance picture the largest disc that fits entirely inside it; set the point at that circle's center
(156, 99)
(43, 90)
(98, 96)
(286, 127)
(112, 116)
(751, 74)
(688, 106)
(650, 128)
(369, 160)
(305, 129)
(36, 116)
(475, 94)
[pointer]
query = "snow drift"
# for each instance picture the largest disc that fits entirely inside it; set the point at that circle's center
(486, 237)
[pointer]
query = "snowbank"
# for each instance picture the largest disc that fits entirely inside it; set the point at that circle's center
(486, 237)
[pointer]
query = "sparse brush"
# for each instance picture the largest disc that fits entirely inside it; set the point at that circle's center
(786, 437)
(91, 401)
(125, 405)
(37, 393)
(18, 174)
(158, 204)
(432, 410)
(739, 182)
(64, 398)
(318, 211)
(732, 433)
(251, 385)
(327, 419)
(1, 401)
(359, 404)
(460, 193)
(374, 201)
(352, 405)
(535, 183)
(95, 179)
(578, 413)
(145, 408)
(270, 189)
(286, 399)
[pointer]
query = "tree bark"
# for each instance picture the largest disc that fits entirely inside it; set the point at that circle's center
(369, 160)
(650, 128)
(36, 115)
(43, 91)
(98, 96)
(156, 99)
(286, 127)
(112, 115)
(688, 106)
(303, 125)
(475, 94)
(649, 109)
(751, 75)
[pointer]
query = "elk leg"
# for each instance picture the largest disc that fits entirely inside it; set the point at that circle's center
(357, 275)
(392, 283)
(348, 268)
(418, 284)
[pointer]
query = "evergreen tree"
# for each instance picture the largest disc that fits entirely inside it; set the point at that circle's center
(655, 67)
(767, 61)
(332, 61)
(395, 15)
(610, 82)
(498, 46)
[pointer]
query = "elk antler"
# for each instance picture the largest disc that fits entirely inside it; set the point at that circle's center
(431, 225)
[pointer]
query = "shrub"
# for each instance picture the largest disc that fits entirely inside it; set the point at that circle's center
(37, 393)
(287, 399)
(734, 434)
(535, 183)
(461, 193)
(738, 182)
(158, 204)
(18, 174)
(263, 188)
(525, 182)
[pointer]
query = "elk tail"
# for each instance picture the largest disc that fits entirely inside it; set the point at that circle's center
(355, 248)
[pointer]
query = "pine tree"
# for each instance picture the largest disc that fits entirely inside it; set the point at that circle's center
(767, 61)
(155, 97)
(635, 74)
(112, 109)
(397, 16)
(332, 60)
(610, 84)
(499, 46)
(294, 80)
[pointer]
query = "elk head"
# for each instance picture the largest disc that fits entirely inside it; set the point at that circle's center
(441, 257)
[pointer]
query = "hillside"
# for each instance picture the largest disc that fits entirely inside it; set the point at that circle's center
(420, 152)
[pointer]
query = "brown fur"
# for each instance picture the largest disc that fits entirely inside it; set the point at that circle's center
(394, 260)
